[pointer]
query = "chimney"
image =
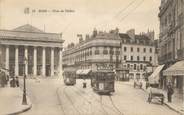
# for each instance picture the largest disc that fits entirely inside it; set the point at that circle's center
(151, 35)
(80, 38)
(72, 44)
(117, 30)
(131, 33)
(95, 32)
(87, 37)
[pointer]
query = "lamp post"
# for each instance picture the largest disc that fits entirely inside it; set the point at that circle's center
(24, 99)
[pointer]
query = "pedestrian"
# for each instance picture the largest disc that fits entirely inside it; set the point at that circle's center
(7, 78)
(3, 79)
(84, 83)
(12, 82)
(17, 81)
(149, 89)
(0, 79)
(147, 84)
(170, 92)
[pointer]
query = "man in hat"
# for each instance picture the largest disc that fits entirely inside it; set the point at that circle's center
(170, 92)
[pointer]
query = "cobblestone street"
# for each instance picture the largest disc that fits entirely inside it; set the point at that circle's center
(75, 100)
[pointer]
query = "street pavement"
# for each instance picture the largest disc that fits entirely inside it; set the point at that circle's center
(11, 101)
(176, 104)
(44, 97)
(52, 97)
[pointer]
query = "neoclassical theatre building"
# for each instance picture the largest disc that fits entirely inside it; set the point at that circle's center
(29, 50)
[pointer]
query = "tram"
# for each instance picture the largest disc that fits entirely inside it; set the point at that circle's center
(69, 77)
(102, 81)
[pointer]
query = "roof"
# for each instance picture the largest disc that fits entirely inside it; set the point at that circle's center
(28, 32)
(123, 35)
(142, 37)
(27, 28)
(139, 39)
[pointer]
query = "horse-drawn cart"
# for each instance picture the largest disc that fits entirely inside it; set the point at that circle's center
(155, 93)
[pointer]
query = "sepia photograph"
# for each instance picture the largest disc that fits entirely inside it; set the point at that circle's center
(91, 57)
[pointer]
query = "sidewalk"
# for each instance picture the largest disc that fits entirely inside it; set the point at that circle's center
(176, 104)
(11, 101)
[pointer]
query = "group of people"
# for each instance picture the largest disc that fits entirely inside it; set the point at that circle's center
(6, 80)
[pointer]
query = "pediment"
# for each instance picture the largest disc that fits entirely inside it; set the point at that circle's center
(28, 28)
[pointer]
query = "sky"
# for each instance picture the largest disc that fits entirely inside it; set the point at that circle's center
(72, 17)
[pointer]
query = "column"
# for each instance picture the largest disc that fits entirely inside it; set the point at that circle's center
(16, 61)
(52, 61)
(35, 61)
(43, 61)
(7, 58)
(26, 61)
(60, 61)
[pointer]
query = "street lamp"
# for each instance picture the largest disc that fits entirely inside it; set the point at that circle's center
(24, 99)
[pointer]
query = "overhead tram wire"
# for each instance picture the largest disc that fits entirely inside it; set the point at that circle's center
(66, 27)
(131, 11)
(120, 12)
(124, 9)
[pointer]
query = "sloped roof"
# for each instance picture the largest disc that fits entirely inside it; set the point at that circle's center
(123, 35)
(126, 36)
(142, 37)
(28, 28)
(138, 39)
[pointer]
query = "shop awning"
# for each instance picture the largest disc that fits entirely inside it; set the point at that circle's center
(83, 71)
(86, 71)
(154, 77)
(175, 70)
(78, 72)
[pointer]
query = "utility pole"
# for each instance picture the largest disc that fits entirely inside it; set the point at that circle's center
(24, 99)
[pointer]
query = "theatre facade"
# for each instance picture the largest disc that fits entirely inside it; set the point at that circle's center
(29, 50)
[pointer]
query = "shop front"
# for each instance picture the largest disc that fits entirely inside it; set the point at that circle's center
(175, 75)
(122, 74)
